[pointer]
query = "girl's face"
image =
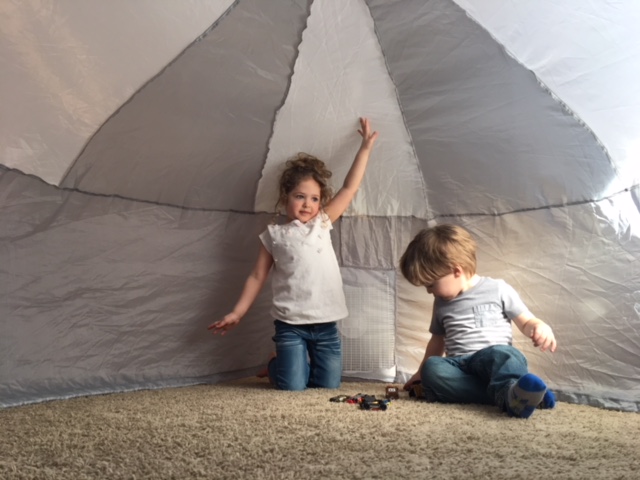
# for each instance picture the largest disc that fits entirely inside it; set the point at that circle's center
(303, 202)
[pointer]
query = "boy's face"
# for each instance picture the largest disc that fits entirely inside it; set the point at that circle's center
(449, 286)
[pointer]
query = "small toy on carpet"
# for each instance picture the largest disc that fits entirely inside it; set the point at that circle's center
(416, 391)
(392, 392)
(339, 398)
(372, 403)
(366, 402)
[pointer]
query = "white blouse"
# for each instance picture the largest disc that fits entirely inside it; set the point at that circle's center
(306, 280)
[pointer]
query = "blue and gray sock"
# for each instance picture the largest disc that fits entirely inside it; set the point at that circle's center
(548, 401)
(525, 395)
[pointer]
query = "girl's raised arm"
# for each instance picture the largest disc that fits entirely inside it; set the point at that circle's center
(343, 198)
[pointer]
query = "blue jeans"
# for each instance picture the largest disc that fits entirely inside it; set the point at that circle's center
(306, 356)
(482, 377)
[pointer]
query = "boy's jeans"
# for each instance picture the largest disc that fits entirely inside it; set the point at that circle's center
(481, 377)
(306, 356)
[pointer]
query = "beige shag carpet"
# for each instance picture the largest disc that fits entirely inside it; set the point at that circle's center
(247, 430)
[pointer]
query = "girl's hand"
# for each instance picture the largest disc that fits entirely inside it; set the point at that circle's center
(227, 323)
(368, 137)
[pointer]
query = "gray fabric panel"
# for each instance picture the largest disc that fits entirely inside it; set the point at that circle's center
(376, 242)
(489, 138)
(197, 134)
(103, 294)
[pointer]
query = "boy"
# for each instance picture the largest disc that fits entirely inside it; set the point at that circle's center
(471, 323)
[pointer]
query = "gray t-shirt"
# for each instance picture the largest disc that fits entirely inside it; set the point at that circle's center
(478, 318)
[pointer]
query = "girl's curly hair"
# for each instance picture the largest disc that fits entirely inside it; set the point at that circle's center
(301, 167)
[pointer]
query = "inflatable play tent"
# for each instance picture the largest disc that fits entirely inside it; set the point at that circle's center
(141, 144)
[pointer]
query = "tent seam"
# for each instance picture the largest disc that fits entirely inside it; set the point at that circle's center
(549, 91)
(144, 85)
(429, 218)
(284, 100)
(402, 112)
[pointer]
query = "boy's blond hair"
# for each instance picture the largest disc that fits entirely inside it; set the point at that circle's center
(434, 252)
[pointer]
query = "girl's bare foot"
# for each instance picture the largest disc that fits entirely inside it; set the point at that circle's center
(265, 371)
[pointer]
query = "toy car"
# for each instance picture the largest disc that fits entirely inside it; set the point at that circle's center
(375, 404)
(416, 391)
(339, 398)
(356, 398)
(392, 392)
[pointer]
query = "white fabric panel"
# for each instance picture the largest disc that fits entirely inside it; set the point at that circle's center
(586, 53)
(414, 307)
(339, 76)
(368, 333)
(69, 64)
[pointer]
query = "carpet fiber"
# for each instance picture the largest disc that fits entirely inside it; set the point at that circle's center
(247, 430)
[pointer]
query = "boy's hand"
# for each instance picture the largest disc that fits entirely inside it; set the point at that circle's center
(227, 323)
(368, 137)
(539, 332)
(542, 336)
(412, 381)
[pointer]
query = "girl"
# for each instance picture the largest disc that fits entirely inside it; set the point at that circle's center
(307, 287)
